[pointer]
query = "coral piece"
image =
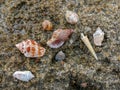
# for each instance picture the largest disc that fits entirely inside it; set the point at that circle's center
(88, 44)
(59, 37)
(31, 48)
(98, 37)
(71, 17)
(23, 75)
(47, 25)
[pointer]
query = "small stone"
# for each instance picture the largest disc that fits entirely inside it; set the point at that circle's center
(84, 85)
(23, 75)
(60, 56)
(87, 29)
(98, 37)
(118, 37)
(71, 41)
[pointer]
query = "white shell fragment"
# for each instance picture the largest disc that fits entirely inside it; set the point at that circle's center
(23, 75)
(88, 44)
(71, 17)
(98, 37)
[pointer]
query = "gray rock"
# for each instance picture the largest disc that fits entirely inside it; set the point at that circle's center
(23, 75)
(60, 56)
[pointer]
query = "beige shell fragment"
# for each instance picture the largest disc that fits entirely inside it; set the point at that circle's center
(88, 44)
(98, 37)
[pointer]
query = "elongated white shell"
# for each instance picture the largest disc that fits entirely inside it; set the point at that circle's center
(88, 44)
(71, 17)
(98, 37)
(23, 75)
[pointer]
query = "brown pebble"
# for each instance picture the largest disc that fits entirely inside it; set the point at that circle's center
(84, 85)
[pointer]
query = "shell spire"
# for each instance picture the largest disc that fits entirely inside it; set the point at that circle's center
(30, 48)
(88, 44)
(59, 37)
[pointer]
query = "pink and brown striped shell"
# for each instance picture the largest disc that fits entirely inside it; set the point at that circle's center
(59, 37)
(30, 48)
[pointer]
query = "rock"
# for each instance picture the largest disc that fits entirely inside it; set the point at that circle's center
(87, 29)
(60, 56)
(23, 75)
(98, 37)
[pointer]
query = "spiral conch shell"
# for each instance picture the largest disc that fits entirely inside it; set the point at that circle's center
(30, 48)
(23, 75)
(71, 17)
(59, 37)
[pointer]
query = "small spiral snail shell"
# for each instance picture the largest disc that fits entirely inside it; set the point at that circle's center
(47, 25)
(71, 17)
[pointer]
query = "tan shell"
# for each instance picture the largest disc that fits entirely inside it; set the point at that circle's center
(47, 25)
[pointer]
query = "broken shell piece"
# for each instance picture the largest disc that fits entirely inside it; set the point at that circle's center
(59, 37)
(31, 48)
(23, 75)
(89, 46)
(71, 17)
(98, 37)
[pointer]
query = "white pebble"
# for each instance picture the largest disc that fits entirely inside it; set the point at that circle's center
(23, 75)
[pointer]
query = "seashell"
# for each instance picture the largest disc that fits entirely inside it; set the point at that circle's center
(71, 17)
(59, 37)
(23, 75)
(98, 37)
(55, 43)
(88, 44)
(47, 25)
(30, 48)
(60, 56)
